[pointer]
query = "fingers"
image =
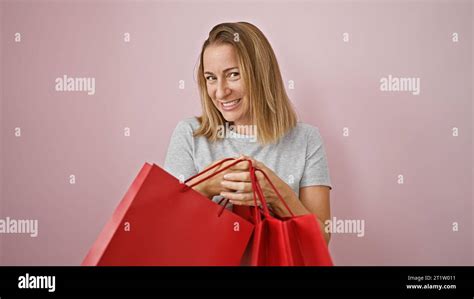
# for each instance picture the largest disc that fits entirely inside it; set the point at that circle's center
(249, 203)
(242, 165)
(240, 199)
(242, 176)
(241, 181)
(237, 186)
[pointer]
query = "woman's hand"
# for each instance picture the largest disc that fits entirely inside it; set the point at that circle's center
(239, 187)
(212, 186)
(314, 199)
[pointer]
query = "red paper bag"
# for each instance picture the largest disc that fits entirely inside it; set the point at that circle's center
(164, 222)
(289, 241)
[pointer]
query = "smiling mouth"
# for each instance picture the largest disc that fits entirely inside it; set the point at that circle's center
(231, 104)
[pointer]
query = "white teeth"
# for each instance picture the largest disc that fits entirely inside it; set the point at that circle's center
(230, 103)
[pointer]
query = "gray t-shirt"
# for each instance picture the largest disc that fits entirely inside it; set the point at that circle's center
(298, 158)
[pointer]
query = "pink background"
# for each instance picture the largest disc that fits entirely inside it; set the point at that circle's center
(336, 86)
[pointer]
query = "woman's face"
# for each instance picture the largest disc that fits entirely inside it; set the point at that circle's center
(225, 85)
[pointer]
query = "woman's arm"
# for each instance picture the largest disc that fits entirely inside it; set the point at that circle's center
(313, 200)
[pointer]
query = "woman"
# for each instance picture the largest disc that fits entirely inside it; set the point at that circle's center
(243, 96)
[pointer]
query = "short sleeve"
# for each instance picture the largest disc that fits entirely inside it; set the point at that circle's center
(179, 160)
(316, 171)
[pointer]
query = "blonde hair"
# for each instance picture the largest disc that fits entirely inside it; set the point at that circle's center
(269, 106)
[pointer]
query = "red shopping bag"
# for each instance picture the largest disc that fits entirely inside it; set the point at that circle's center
(163, 222)
(289, 241)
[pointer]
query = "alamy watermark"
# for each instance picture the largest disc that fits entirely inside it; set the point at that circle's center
(237, 131)
(19, 226)
(66, 83)
(409, 84)
(345, 226)
(28, 281)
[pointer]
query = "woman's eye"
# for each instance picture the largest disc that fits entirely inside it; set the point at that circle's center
(209, 78)
(234, 73)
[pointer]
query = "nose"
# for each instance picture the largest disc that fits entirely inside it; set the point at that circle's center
(222, 90)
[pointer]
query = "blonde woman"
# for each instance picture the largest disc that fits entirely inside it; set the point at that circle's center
(246, 111)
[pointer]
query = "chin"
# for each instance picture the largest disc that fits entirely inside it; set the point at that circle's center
(230, 117)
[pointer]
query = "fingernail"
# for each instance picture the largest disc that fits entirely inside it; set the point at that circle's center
(226, 176)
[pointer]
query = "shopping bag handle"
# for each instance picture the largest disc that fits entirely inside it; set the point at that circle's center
(254, 190)
(226, 201)
(257, 191)
(262, 197)
(253, 180)
(215, 173)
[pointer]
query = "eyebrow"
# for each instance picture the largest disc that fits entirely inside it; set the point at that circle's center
(226, 70)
